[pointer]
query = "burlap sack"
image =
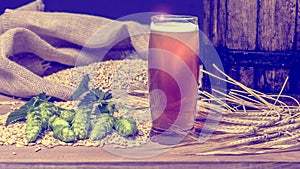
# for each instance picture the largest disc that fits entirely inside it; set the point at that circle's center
(29, 29)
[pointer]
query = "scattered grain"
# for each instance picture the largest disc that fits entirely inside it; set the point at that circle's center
(37, 149)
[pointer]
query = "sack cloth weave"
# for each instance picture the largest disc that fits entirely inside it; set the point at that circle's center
(29, 29)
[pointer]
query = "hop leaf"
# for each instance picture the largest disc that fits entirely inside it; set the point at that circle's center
(94, 96)
(20, 113)
(106, 107)
(82, 88)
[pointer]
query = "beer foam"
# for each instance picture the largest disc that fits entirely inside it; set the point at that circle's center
(174, 27)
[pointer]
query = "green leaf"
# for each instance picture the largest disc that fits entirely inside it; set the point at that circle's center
(101, 95)
(17, 115)
(105, 108)
(88, 100)
(20, 113)
(94, 96)
(82, 88)
(107, 96)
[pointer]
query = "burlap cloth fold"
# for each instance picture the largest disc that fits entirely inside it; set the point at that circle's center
(29, 29)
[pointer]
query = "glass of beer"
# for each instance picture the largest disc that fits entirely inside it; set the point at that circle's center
(173, 68)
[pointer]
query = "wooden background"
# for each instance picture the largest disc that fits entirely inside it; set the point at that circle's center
(258, 41)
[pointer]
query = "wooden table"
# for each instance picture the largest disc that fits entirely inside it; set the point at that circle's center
(91, 157)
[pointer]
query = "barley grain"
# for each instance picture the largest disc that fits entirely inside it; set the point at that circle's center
(37, 149)
(31, 144)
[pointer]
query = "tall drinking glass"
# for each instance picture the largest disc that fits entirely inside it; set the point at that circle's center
(173, 67)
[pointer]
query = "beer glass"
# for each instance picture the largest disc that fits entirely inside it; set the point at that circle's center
(173, 68)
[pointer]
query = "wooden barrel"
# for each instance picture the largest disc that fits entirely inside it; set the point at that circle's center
(258, 41)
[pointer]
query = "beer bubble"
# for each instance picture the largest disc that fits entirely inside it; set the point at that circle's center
(174, 27)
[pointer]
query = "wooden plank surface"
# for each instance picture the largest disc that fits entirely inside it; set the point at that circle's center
(276, 24)
(214, 25)
(241, 21)
(243, 74)
(267, 25)
(80, 157)
(95, 157)
(222, 22)
(298, 27)
(270, 69)
(272, 79)
(207, 20)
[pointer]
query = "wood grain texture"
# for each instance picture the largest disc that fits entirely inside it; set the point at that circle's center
(208, 20)
(214, 21)
(222, 22)
(265, 79)
(264, 71)
(297, 40)
(241, 29)
(272, 80)
(247, 76)
(243, 74)
(276, 25)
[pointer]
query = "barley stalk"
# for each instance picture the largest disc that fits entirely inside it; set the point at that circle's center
(246, 121)
(212, 108)
(275, 129)
(220, 146)
(232, 129)
(218, 100)
(247, 99)
(278, 141)
(226, 136)
(255, 113)
(250, 91)
(288, 120)
(248, 140)
(254, 121)
(262, 118)
(285, 146)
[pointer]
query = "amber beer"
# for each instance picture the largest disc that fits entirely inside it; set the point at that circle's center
(173, 72)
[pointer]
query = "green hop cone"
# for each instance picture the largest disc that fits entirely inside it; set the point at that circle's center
(46, 110)
(126, 126)
(81, 123)
(61, 129)
(34, 126)
(67, 115)
(102, 127)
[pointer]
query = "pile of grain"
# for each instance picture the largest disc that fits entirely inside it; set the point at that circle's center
(109, 75)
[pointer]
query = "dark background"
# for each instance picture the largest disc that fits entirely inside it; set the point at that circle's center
(115, 9)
